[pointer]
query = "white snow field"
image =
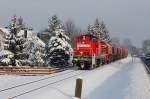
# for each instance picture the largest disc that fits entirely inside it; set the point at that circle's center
(124, 79)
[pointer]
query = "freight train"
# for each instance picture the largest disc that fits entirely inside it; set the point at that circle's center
(91, 52)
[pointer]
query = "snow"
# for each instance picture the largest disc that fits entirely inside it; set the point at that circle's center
(63, 45)
(31, 36)
(136, 87)
(4, 30)
(6, 60)
(124, 79)
(5, 56)
(34, 48)
(4, 52)
(58, 46)
(28, 43)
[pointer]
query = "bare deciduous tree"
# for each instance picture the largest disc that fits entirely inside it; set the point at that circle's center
(115, 41)
(146, 46)
(72, 31)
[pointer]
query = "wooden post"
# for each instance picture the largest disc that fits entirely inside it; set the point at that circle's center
(78, 89)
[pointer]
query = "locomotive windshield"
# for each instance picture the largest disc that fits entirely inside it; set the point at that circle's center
(88, 38)
(93, 39)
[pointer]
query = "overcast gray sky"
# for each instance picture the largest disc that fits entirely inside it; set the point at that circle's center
(124, 18)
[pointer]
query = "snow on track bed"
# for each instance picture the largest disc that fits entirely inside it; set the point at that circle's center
(139, 86)
(130, 82)
(119, 80)
(23, 83)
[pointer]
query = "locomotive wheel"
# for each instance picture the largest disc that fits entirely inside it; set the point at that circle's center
(108, 62)
(97, 63)
(101, 62)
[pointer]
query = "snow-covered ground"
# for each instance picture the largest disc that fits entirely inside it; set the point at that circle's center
(125, 79)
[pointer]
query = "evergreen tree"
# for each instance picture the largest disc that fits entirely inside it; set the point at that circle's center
(58, 50)
(90, 28)
(20, 23)
(19, 54)
(7, 56)
(104, 32)
(54, 23)
(34, 49)
(99, 29)
(46, 34)
(36, 56)
(14, 43)
(13, 23)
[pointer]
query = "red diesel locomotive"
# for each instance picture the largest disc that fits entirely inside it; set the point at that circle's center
(91, 52)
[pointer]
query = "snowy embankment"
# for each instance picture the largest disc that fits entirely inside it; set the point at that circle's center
(120, 80)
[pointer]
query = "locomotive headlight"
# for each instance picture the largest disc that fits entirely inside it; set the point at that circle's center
(75, 59)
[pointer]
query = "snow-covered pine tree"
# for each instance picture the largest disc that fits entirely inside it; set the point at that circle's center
(13, 23)
(6, 55)
(19, 44)
(17, 48)
(14, 43)
(97, 28)
(2, 34)
(90, 30)
(36, 56)
(20, 23)
(106, 36)
(100, 31)
(6, 58)
(59, 51)
(35, 49)
(54, 23)
(46, 34)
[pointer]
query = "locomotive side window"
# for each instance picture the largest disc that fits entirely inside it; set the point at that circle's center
(83, 38)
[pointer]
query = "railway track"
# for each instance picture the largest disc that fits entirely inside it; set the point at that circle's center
(38, 84)
(146, 63)
(31, 82)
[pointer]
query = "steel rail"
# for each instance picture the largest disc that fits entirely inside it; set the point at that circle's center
(45, 85)
(31, 82)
